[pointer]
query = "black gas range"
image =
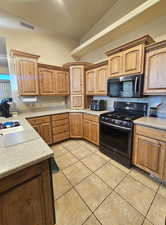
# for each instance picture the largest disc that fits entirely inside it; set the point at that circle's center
(116, 130)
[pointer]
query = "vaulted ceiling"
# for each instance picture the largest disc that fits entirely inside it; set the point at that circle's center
(72, 18)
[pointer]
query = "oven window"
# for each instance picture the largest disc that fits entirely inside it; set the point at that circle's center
(114, 138)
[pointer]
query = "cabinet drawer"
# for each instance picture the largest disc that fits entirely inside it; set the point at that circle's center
(60, 116)
(60, 137)
(61, 129)
(60, 122)
(151, 132)
(39, 120)
(90, 117)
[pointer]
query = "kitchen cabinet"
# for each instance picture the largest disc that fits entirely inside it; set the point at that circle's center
(77, 101)
(62, 83)
(53, 82)
(47, 81)
(96, 81)
(76, 80)
(76, 125)
(115, 64)
(43, 126)
(150, 150)
(26, 197)
(91, 128)
(155, 72)
(133, 60)
(25, 68)
(128, 58)
(60, 127)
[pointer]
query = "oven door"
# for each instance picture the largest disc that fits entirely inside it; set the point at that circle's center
(116, 138)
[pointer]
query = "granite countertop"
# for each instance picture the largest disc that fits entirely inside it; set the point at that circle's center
(154, 122)
(33, 150)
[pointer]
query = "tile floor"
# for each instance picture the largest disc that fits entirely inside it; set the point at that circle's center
(92, 189)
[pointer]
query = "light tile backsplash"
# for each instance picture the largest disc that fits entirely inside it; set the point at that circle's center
(151, 100)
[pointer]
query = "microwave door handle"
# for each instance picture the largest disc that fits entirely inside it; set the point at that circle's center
(135, 88)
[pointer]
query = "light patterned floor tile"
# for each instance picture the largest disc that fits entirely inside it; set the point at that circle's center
(143, 178)
(116, 211)
(58, 150)
(147, 222)
(92, 147)
(60, 184)
(93, 190)
(71, 210)
(111, 174)
(120, 166)
(81, 152)
(94, 161)
(157, 212)
(92, 221)
(136, 194)
(162, 191)
(66, 160)
(77, 172)
(103, 155)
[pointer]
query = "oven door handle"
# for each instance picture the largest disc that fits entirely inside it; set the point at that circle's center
(116, 126)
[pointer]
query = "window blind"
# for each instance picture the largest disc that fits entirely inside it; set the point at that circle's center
(5, 89)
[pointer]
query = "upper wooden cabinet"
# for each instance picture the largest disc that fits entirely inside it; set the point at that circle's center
(76, 80)
(150, 150)
(115, 64)
(155, 73)
(46, 81)
(53, 81)
(96, 81)
(25, 67)
(76, 125)
(128, 58)
(133, 60)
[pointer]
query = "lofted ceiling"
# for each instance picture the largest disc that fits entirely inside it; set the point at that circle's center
(72, 18)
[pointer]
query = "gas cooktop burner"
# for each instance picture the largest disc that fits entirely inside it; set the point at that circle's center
(120, 116)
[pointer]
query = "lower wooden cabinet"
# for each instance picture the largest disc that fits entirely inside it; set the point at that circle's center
(26, 197)
(76, 125)
(43, 126)
(60, 127)
(149, 151)
(91, 128)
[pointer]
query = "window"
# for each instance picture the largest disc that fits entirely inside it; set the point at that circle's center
(5, 88)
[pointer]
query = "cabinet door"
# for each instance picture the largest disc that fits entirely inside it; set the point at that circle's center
(27, 76)
(62, 83)
(94, 133)
(90, 82)
(76, 125)
(86, 126)
(155, 73)
(77, 80)
(77, 102)
(150, 155)
(37, 128)
(45, 132)
(47, 81)
(115, 65)
(133, 60)
(101, 80)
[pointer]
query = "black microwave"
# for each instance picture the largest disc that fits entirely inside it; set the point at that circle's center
(126, 86)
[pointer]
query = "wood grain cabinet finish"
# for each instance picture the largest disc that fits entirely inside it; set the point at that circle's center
(60, 127)
(62, 83)
(91, 128)
(26, 71)
(90, 82)
(115, 64)
(133, 60)
(53, 82)
(76, 125)
(77, 101)
(149, 153)
(155, 72)
(96, 81)
(43, 126)
(76, 80)
(47, 81)
(26, 197)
